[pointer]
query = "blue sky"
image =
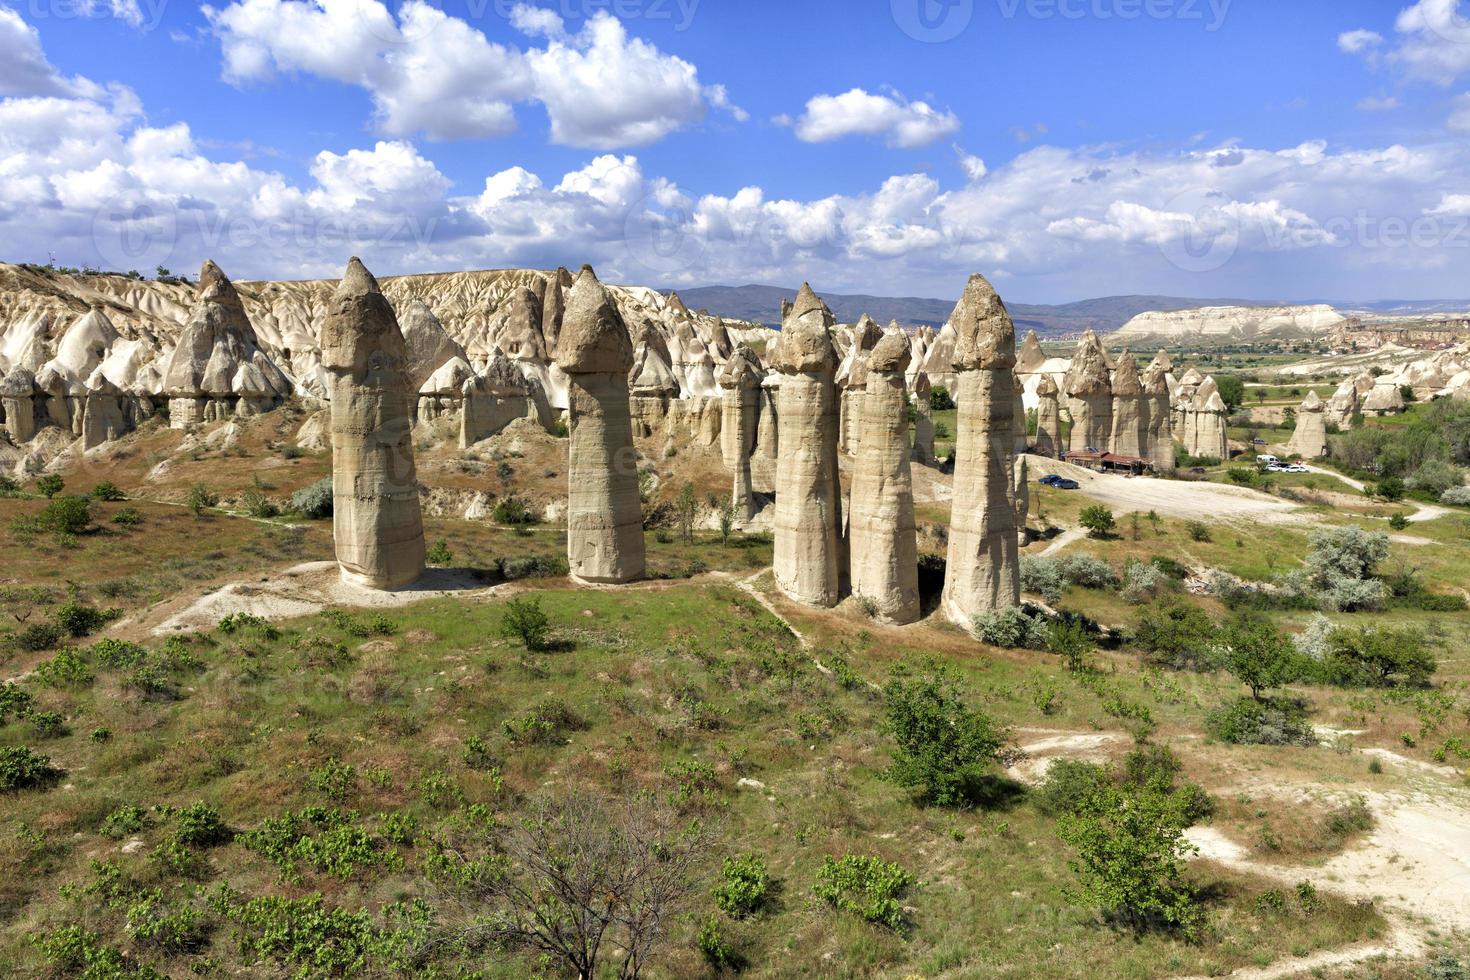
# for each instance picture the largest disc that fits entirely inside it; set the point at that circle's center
(1066, 148)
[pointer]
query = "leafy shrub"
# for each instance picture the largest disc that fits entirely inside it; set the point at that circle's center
(309, 938)
(544, 724)
(49, 485)
(1251, 721)
(38, 636)
(79, 619)
(200, 825)
(1088, 571)
(942, 745)
(1069, 784)
(334, 779)
(1398, 522)
(109, 491)
(110, 652)
(67, 669)
(1456, 497)
(715, 948)
(1385, 657)
(1042, 576)
(80, 952)
(512, 510)
(20, 768)
(940, 399)
(1098, 521)
(128, 517)
(241, 622)
(1013, 629)
(1259, 655)
(1130, 858)
(1343, 562)
(172, 928)
(1176, 634)
(320, 838)
(258, 505)
(744, 886)
(865, 886)
(1198, 531)
(199, 499)
(125, 821)
(534, 566)
(314, 501)
(48, 724)
(15, 702)
(1144, 582)
(439, 554)
(65, 515)
(525, 620)
(1069, 639)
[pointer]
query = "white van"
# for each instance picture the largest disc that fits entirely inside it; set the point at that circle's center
(1266, 458)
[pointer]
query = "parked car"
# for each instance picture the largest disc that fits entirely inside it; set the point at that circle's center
(1276, 468)
(1067, 485)
(1050, 480)
(1258, 442)
(1296, 468)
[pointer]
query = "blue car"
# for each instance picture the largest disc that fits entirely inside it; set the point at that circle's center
(1048, 481)
(1060, 482)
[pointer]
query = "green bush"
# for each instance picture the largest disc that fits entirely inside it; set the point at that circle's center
(1175, 633)
(83, 954)
(525, 620)
(1098, 521)
(65, 515)
(20, 768)
(108, 491)
(1367, 657)
(1259, 655)
(1013, 629)
(125, 821)
(199, 499)
(38, 636)
(865, 886)
(128, 517)
(439, 554)
(1069, 639)
(744, 886)
(79, 619)
(512, 510)
(533, 566)
(547, 723)
(67, 669)
(15, 702)
(1068, 786)
(258, 505)
(49, 485)
(940, 399)
(943, 747)
(1131, 851)
(1197, 530)
(715, 948)
(1252, 721)
(314, 501)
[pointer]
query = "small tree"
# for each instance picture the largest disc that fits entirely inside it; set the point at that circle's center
(1098, 521)
(686, 507)
(1130, 857)
(439, 554)
(727, 512)
(66, 515)
(942, 745)
(525, 620)
(49, 485)
(1367, 657)
(199, 499)
(1070, 640)
(1259, 655)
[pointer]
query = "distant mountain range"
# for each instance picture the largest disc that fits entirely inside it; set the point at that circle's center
(762, 304)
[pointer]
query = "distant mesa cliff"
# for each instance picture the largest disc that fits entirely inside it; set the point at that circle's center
(1225, 324)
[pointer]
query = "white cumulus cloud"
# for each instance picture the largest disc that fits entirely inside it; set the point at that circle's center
(857, 112)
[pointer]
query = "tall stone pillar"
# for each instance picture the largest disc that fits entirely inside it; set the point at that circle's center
(808, 499)
(983, 573)
(1022, 498)
(1049, 419)
(1160, 414)
(377, 523)
(740, 392)
(884, 539)
(923, 421)
(1018, 417)
(604, 520)
(1310, 438)
(1090, 396)
(17, 396)
(1130, 413)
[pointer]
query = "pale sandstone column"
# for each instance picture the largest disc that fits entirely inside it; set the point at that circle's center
(1018, 416)
(1130, 414)
(1310, 438)
(808, 503)
(923, 421)
(740, 387)
(884, 540)
(377, 523)
(1090, 396)
(604, 521)
(1022, 498)
(1049, 419)
(17, 395)
(1160, 414)
(983, 573)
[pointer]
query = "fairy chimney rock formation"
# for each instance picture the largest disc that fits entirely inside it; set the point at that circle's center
(1048, 419)
(1130, 411)
(1160, 414)
(1310, 438)
(428, 344)
(1030, 357)
(17, 397)
(492, 400)
(923, 420)
(808, 518)
(1090, 396)
(377, 523)
(740, 392)
(1018, 416)
(883, 539)
(983, 573)
(604, 520)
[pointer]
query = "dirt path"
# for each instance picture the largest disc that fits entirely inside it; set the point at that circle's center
(1061, 541)
(1422, 512)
